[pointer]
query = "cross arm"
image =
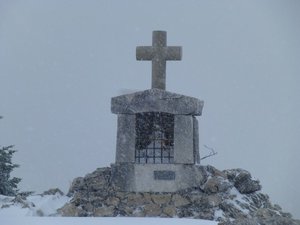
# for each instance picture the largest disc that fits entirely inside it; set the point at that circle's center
(144, 53)
(173, 53)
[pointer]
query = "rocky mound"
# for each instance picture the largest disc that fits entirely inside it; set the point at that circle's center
(230, 196)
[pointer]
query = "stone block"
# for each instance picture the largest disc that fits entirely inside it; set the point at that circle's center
(123, 176)
(104, 211)
(245, 184)
(161, 199)
(152, 210)
(217, 184)
(156, 100)
(196, 140)
(170, 211)
(179, 200)
(183, 140)
(135, 199)
(125, 139)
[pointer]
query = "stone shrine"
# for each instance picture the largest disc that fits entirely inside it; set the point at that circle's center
(157, 137)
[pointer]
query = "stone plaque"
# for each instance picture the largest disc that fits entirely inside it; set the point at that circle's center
(164, 175)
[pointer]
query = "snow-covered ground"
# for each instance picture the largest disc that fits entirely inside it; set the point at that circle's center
(39, 209)
(35, 205)
(100, 221)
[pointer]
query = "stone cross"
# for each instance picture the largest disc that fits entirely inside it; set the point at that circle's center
(159, 53)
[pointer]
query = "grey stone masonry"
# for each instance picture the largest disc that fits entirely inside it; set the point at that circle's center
(157, 138)
(125, 138)
(196, 140)
(156, 100)
(183, 140)
(159, 53)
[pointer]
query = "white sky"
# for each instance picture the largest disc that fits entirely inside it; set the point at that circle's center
(61, 62)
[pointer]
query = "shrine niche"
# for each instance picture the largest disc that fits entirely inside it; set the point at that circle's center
(154, 138)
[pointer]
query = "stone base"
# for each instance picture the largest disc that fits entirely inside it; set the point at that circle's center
(130, 177)
(224, 196)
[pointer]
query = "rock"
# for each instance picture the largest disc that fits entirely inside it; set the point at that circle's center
(265, 213)
(71, 210)
(211, 201)
(134, 199)
(152, 210)
(215, 172)
(161, 199)
(205, 215)
(170, 211)
(112, 201)
(232, 192)
(196, 198)
(53, 191)
(231, 211)
(139, 212)
(216, 184)
(147, 198)
(78, 184)
(241, 222)
(123, 210)
(243, 181)
(245, 184)
(104, 211)
(211, 186)
(178, 200)
(277, 220)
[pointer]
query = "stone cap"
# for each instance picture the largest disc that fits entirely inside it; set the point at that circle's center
(156, 100)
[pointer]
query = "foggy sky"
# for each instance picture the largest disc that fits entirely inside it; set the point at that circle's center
(62, 61)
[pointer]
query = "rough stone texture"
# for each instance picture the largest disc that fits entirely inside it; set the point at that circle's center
(215, 198)
(217, 184)
(53, 191)
(179, 200)
(196, 140)
(243, 181)
(183, 139)
(159, 53)
(125, 139)
(140, 177)
(156, 100)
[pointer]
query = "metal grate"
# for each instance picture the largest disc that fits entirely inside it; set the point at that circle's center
(154, 138)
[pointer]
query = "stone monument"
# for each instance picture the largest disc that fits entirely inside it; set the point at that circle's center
(157, 137)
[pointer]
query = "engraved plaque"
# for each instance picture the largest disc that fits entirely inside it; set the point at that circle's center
(164, 175)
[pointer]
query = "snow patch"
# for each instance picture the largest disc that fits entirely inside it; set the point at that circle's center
(100, 220)
(35, 205)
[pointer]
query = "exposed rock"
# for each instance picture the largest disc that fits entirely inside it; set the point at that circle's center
(78, 184)
(230, 196)
(277, 220)
(211, 201)
(161, 199)
(178, 200)
(71, 210)
(241, 222)
(243, 181)
(245, 184)
(170, 211)
(104, 211)
(215, 172)
(152, 210)
(217, 184)
(136, 199)
(53, 191)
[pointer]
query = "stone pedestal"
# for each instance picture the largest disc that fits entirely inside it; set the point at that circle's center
(129, 174)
